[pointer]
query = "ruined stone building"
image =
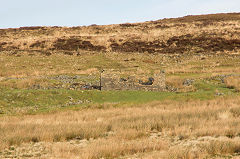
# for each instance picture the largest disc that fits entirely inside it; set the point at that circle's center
(118, 80)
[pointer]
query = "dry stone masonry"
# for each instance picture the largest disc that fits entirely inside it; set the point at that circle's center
(118, 80)
(110, 79)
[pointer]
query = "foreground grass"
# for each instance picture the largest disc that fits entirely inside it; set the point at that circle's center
(116, 132)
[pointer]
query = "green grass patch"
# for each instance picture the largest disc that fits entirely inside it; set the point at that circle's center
(14, 101)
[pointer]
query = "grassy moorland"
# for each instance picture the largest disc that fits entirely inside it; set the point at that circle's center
(44, 116)
(210, 77)
(170, 129)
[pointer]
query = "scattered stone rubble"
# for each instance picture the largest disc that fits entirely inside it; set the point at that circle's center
(118, 80)
(109, 80)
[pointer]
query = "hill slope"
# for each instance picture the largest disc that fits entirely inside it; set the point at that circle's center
(191, 34)
(197, 116)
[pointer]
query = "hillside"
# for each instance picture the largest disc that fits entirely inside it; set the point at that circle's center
(75, 92)
(216, 33)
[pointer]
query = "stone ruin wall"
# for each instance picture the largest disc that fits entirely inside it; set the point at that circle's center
(113, 80)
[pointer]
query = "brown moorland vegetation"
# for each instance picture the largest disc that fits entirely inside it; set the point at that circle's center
(191, 34)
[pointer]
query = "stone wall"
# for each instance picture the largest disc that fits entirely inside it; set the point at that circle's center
(118, 80)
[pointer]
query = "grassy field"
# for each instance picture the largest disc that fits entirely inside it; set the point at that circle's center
(43, 116)
(196, 120)
(210, 78)
(170, 129)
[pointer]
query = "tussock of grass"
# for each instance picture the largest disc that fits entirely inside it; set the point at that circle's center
(209, 149)
(233, 82)
(126, 131)
(113, 148)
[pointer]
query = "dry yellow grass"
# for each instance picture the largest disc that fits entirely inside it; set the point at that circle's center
(90, 63)
(24, 83)
(178, 83)
(115, 132)
(220, 27)
(233, 82)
